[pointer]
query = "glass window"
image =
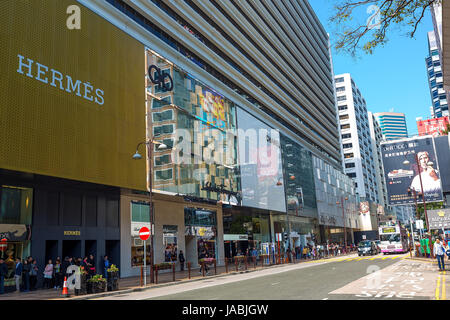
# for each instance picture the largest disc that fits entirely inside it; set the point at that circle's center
(345, 126)
(162, 116)
(350, 165)
(162, 160)
(343, 117)
(344, 107)
(165, 129)
(140, 212)
(338, 80)
(348, 155)
(163, 174)
(16, 205)
(346, 136)
(341, 98)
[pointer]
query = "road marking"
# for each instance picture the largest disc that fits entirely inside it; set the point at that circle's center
(384, 258)
(325, 299)
(443, 287)
(275, 283)
(438, 287)
(374, 258)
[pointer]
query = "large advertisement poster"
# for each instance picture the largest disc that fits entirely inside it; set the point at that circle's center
(260, 164)
(410, 165)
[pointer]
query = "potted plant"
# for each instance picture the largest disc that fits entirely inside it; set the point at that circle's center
(113, 277)
(83, 282)
(98, 283)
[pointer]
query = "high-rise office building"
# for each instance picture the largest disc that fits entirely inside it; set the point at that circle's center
(435, 76)
(376, 137)
(358, 154)
(392, 124)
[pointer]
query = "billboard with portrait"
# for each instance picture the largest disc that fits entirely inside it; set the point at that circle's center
(410, 165)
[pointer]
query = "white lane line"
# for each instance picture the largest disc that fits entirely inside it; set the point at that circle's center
(275, 283)
(325, 299)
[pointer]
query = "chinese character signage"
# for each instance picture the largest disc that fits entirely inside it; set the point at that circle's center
(410, 165)
(439, 218)
(432, 127)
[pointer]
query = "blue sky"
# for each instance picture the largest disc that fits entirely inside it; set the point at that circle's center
(395, 75)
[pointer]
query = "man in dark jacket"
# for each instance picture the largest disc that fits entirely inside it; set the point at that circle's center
(26, 276)
(3, 273)
(181, 259)
(64, 266)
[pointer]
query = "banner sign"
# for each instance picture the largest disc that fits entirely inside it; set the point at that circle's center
(403, 161)
(438, 219)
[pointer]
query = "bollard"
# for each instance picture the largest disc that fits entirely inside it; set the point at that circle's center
(254, 262)
(173, 271)
(203, 268)
(245, 262)
(215, 267)
(236, 263)
(189, 270)
(226, 265)
(156, 274)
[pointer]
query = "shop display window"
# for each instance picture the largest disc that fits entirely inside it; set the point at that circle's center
(170, 235)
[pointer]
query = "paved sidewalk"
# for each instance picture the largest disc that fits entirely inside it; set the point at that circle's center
(131, 284)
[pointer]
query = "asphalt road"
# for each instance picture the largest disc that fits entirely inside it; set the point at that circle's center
(314, 282)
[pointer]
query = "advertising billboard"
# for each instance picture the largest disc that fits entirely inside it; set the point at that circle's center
(432, 127)
(439, 218)
(71, 100)
(260, 163)
(403, 161)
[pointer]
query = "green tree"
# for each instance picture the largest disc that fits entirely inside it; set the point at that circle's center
(383, 16)
(446, 130)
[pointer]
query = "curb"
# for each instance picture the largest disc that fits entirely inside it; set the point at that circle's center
(172, 283)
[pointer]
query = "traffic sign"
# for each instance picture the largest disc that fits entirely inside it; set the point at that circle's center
(419, 224)
(144, 233)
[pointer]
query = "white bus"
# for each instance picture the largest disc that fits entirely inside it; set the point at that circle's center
(393, 238)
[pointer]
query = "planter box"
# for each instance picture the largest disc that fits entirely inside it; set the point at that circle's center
(113, 281)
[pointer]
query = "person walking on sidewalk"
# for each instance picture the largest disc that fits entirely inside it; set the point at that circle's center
(18, 273)
(439, 252)
(48, 275)
(181, 259)
(26, 276)
(33, 275)
(3, 272)
(105, 266)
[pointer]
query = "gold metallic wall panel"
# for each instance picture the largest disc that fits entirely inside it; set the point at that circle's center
(47, 130)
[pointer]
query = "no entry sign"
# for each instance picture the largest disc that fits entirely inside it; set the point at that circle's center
(144, 233)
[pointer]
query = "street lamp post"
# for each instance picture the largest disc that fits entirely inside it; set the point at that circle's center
(137, 156)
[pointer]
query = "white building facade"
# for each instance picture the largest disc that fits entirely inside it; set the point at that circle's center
(358, 154)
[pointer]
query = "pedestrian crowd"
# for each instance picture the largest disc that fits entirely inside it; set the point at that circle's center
(27, 271)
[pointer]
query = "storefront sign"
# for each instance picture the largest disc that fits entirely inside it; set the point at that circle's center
(52, 77)
(14, 232)
(160, 78)
(206, 232)
(235, 237)
(72, 233)
(439, 218)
